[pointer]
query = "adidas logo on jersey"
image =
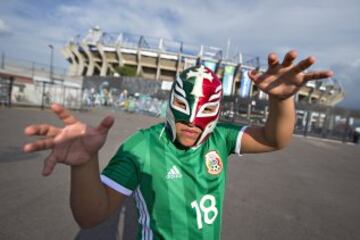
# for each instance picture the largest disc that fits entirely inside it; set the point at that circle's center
(173, 173)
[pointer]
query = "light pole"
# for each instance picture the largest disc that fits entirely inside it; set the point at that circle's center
(42, 95)
(2, 60)
(51, 62)
(50, 75)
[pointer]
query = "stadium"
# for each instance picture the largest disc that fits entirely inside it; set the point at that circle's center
(101, 54)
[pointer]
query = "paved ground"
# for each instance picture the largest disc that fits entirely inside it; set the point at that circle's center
(311, 190)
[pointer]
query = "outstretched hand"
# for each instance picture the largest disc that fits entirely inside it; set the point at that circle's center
(74, 144)
(283, 80)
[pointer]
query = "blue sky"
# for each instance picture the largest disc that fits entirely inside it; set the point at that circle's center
(329, 30)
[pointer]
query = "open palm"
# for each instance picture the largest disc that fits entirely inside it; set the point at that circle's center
(283, 80)
(74, 144)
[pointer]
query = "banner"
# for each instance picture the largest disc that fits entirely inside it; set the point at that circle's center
(228, 79)
(245, 84)
(210, 64)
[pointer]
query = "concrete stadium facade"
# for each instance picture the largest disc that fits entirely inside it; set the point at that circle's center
(101, 54)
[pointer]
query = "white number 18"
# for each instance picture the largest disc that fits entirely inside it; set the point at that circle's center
(201, 208)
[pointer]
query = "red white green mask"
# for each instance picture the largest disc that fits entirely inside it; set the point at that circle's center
(195, 98)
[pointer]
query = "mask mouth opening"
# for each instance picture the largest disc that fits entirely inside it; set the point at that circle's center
(185, 145)
(189, 124)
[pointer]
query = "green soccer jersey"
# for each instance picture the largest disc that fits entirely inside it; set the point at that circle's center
(179, 193)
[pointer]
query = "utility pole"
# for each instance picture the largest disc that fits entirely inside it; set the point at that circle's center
(51, 62)
(42, 95)
(50, 76)
(2, 60)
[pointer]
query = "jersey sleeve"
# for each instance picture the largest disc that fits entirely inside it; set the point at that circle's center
(233, 136)
(123, 171)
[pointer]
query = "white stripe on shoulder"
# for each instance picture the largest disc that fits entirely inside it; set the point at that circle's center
(238, 140)
(144, 218)
(114, 185)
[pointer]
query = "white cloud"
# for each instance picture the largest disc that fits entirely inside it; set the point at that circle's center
(4, 29)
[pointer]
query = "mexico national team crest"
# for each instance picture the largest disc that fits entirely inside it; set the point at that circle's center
(213, 163)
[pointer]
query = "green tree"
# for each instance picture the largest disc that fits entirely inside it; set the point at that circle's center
(129, 71)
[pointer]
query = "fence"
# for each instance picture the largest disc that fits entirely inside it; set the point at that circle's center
(146, 96)
(6, 86)
(38, 93)
(311, 119)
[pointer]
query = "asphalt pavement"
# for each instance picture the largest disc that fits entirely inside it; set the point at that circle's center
(311, 190)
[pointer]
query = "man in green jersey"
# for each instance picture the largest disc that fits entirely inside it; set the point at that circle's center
(175, 170)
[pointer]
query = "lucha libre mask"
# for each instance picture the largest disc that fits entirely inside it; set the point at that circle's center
(197, 92)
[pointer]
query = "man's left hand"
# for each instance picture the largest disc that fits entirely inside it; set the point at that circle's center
(283, 80)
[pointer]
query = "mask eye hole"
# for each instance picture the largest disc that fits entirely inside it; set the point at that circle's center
(179, 103)
(209, 109)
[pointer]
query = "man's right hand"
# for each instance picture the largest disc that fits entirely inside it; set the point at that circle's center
(74, 144)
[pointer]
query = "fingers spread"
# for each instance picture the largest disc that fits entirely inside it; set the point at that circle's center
(49, 165)
(254, 75)
(318, 75)
(304, 64)
(63, 114)
(105, 124)
(41, 130)
(289, 58)
(39, 145)
(31, 130)
(273, 60)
